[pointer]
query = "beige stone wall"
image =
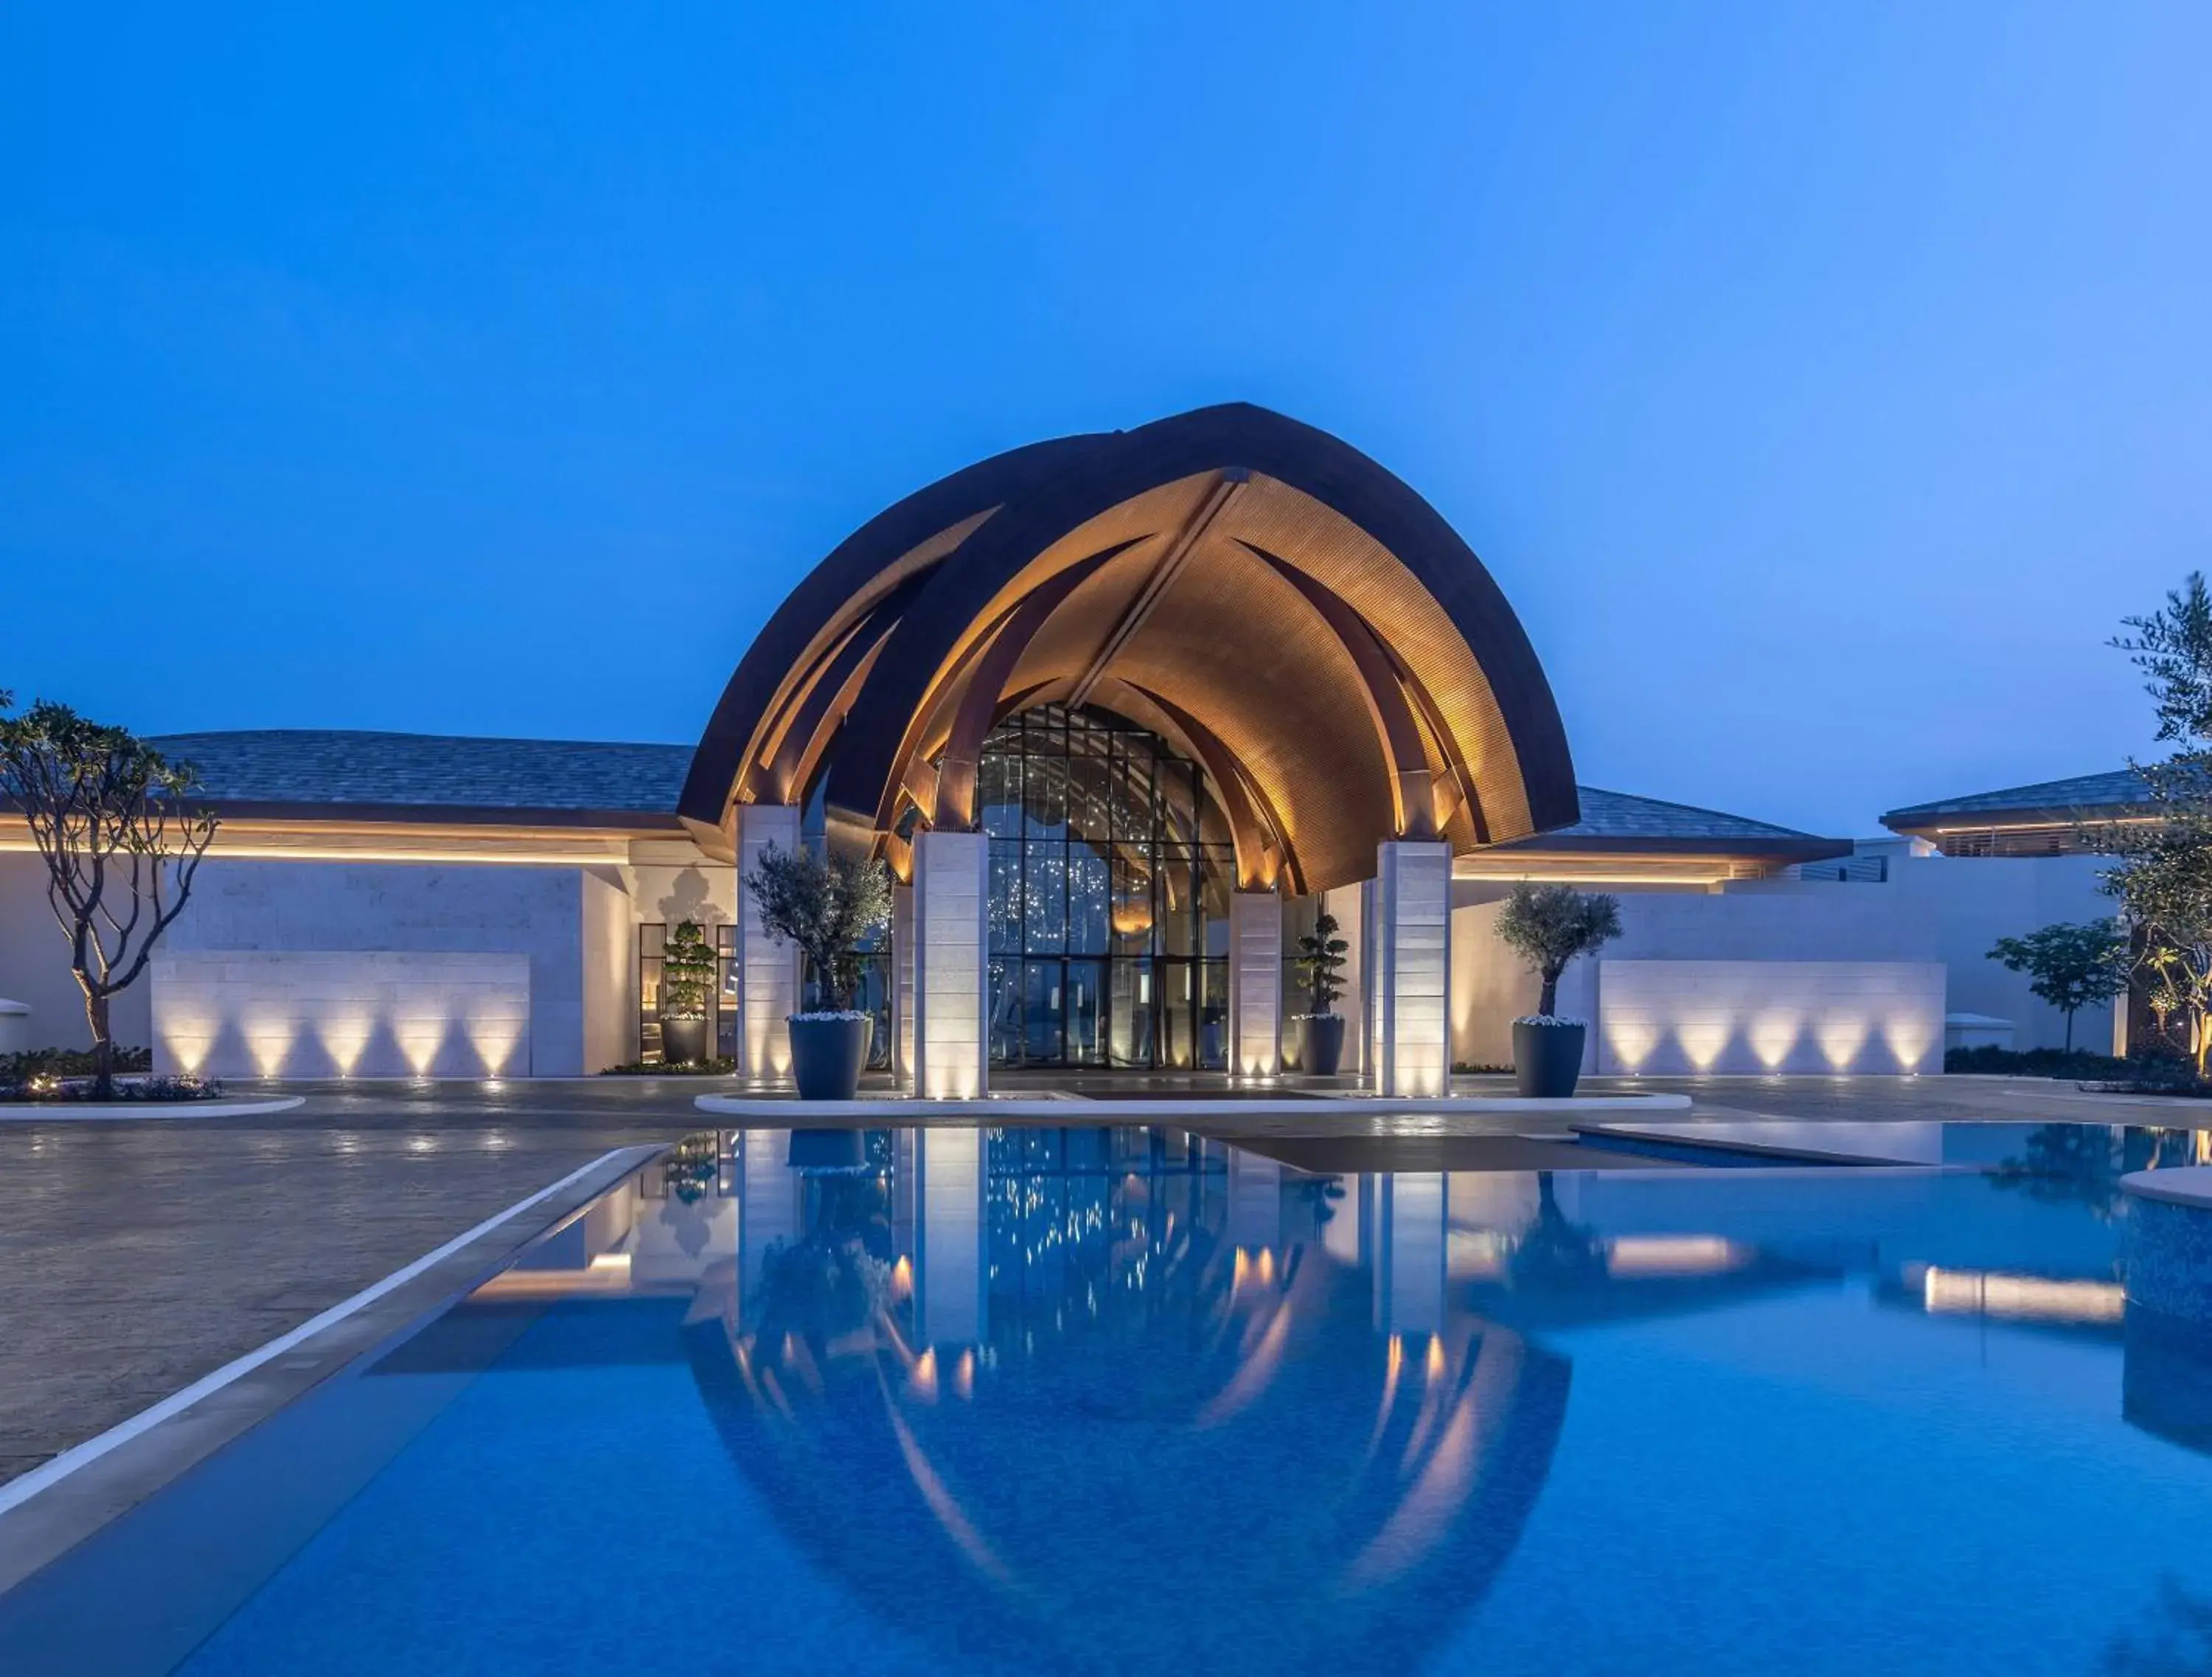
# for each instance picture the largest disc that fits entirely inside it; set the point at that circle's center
(320, 1013)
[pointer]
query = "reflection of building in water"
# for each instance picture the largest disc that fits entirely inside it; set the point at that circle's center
(973, 1371)
(2033, 1298)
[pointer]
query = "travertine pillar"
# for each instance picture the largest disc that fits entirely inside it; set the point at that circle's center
(1255, 983)
(952, 994)
(767, 969)
(903, 985)
(1413, 967)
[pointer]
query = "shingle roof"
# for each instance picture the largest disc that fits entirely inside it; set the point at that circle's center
(1618, 815)
(2119, 788)
(414, 770)
(309, 766)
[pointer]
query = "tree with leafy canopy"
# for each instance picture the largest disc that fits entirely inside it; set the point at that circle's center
(2164, 884)
(2173, 647)
(1321, 962)
(1549, 925)
(2069, 966)
(687, 973)
(2162, 878)
(108, 815)
(829, 907)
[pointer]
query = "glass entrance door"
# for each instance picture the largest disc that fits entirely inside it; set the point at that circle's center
(1110, 865)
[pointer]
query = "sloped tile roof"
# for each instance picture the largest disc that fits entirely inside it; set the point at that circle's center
(310, 766)
(1618, 815)
(413, 770)
(2118, 789)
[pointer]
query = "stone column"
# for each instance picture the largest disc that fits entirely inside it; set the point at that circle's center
(1255, 983)
(1413, 967)
(903, 985)
(951, 991)
(768, 971)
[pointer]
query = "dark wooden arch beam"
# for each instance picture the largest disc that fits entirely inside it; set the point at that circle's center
(914, 765)
(1411, 792)
(829, 590)
(1164, 571)
(1462, 792)
(954, 806)
(1532, 772)
(779, 773)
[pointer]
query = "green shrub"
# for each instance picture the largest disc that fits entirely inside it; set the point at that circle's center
(68, 1063)
(2061, 1063)
(654, 1068)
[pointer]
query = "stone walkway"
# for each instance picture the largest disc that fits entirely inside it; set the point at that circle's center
(141, 1256)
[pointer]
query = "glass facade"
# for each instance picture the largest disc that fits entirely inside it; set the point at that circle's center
(1111, 867)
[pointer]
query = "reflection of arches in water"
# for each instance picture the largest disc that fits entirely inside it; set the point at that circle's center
(1210, 1462)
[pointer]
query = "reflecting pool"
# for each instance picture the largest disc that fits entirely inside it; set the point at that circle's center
(1078, 1399)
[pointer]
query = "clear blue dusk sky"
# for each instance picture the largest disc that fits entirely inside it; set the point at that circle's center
(1820, 381)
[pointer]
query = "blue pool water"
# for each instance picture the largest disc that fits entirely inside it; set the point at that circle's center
(1091, 1401)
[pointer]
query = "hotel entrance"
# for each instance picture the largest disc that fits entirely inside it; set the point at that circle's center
(1111, 866)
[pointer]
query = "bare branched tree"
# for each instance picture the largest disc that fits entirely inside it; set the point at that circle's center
(109, 814)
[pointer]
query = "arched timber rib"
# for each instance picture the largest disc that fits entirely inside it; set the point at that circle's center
(1395, 730)
(841, 588)
(1523, 776)
(955, 803)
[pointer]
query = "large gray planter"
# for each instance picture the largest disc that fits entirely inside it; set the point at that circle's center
(683, 1042)
(1548, 1059)
(1320, 1039)
(827, 1056)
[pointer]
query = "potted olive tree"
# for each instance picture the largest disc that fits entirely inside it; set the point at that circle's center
(829, 907)
(1320, 962)
(687, 979)
(1548, 926)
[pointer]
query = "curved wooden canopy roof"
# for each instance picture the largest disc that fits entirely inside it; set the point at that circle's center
(1265, 596)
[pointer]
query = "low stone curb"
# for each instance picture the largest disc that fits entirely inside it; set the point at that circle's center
(2186, 1185)
(74, 1112)
(787, 1110)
